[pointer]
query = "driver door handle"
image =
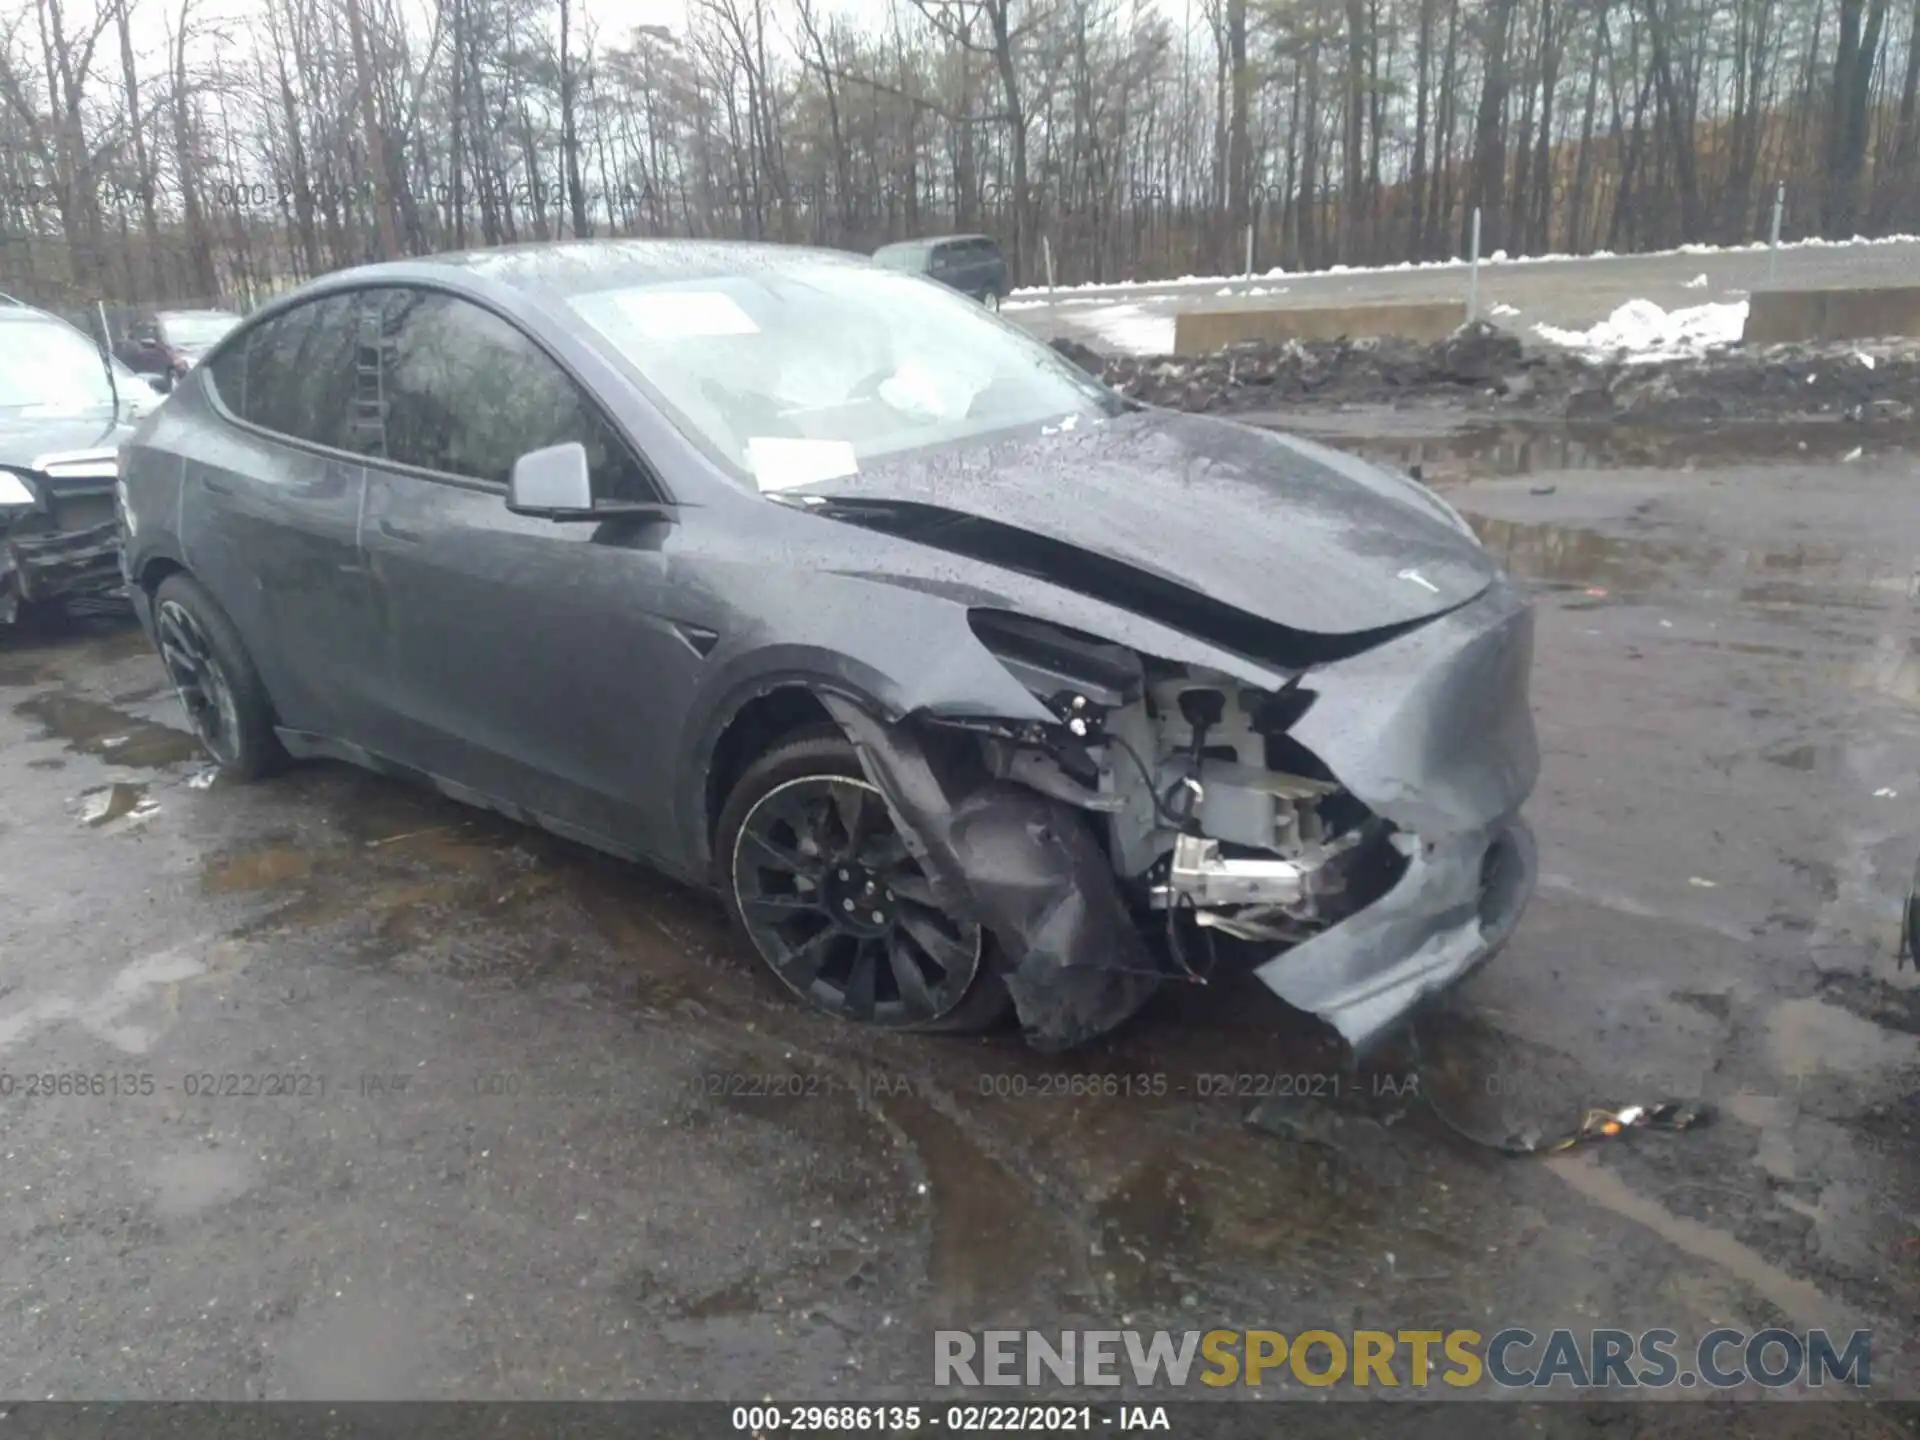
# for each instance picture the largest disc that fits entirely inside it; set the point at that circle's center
(394, 532)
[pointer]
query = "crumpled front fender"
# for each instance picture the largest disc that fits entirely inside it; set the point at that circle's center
(1022, 865)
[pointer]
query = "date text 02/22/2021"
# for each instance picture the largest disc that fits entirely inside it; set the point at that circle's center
(767, 1420)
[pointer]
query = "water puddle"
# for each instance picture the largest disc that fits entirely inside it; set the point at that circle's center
(265, 869)
(93, 728)
(992, 1246)
(1566, 556)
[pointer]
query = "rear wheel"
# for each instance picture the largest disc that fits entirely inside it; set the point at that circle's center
(226, 703)
(822, 885)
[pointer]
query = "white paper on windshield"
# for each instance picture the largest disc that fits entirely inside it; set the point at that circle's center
(779, 462)
(684, 314)
(916, 389)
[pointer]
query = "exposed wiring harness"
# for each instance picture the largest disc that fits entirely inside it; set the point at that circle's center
(1597, 1124)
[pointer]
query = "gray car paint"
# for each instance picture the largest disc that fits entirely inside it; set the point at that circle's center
(548, 669)
(1245, 516)
(1433, 731)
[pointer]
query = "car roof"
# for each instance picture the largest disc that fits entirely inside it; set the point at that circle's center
(19, 311)
(577, 267)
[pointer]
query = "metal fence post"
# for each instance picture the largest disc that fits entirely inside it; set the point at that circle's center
(1249, 252)
(1046, 254)
(1773, 243)
(1473, 272)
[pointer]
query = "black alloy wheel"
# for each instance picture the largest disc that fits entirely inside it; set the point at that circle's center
(227, 705)
(203, 686)
(838, 908)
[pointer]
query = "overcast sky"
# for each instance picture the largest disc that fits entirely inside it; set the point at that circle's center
(614, 20)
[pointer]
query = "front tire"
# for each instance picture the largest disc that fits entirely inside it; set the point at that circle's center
(820, 883)
(226, 702)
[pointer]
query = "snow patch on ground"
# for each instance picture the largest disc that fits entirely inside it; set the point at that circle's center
(1641, 331)
(1131, 330)
(1698, 282)
(1500, 310)
(1499, 257)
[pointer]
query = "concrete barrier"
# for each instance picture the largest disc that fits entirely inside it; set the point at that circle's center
(1200, 332)
(1779, 317)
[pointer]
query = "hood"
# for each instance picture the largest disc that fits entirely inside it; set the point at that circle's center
(1277, 529)
(25, 438)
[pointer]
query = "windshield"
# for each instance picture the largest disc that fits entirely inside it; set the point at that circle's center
(800, 373)
(47, 368)
(910, 258)
(199, 331)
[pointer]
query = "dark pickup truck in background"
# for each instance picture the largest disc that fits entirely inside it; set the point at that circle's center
(971, 264)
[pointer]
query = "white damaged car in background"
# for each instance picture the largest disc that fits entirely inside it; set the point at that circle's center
(65, 409)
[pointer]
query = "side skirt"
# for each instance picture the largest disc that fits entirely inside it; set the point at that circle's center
(307, 745)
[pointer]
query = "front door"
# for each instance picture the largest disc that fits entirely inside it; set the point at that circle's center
(526, 659)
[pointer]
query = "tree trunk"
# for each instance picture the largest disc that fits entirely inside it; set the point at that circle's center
(375, 148)
(569, 129)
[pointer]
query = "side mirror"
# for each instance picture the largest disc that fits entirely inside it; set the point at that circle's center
(552, 484)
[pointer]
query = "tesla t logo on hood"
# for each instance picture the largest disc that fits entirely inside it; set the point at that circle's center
(1417, 578)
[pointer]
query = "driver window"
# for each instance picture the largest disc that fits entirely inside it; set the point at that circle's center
(465, 393)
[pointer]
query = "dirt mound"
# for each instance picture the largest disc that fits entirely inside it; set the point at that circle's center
(1486, 368)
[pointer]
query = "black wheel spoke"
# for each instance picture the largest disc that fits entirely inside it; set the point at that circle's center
(802, 965)
(860, 983)
(911, 885)
(781, 907)
(189, 659)
(945, 950)
(772, 852)
(907, 974)
(886, 851)
(832, 898)
(854, 808)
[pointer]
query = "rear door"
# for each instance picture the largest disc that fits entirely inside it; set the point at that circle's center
(972, 266)
(271, 514)
(526, 660)
(946, 262)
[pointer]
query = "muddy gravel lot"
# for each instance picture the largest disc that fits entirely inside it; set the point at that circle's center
(401, 1100)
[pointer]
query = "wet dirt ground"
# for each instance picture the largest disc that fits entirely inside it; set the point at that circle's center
(386, 1098)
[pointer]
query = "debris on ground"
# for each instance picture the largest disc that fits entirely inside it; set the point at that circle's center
(1486, 368)
(118, 801)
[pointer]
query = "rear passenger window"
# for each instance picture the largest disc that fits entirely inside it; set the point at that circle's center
(298, 372)
(463, 392)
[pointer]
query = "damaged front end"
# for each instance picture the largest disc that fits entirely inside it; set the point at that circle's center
(60, 540)
(1352, 836)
